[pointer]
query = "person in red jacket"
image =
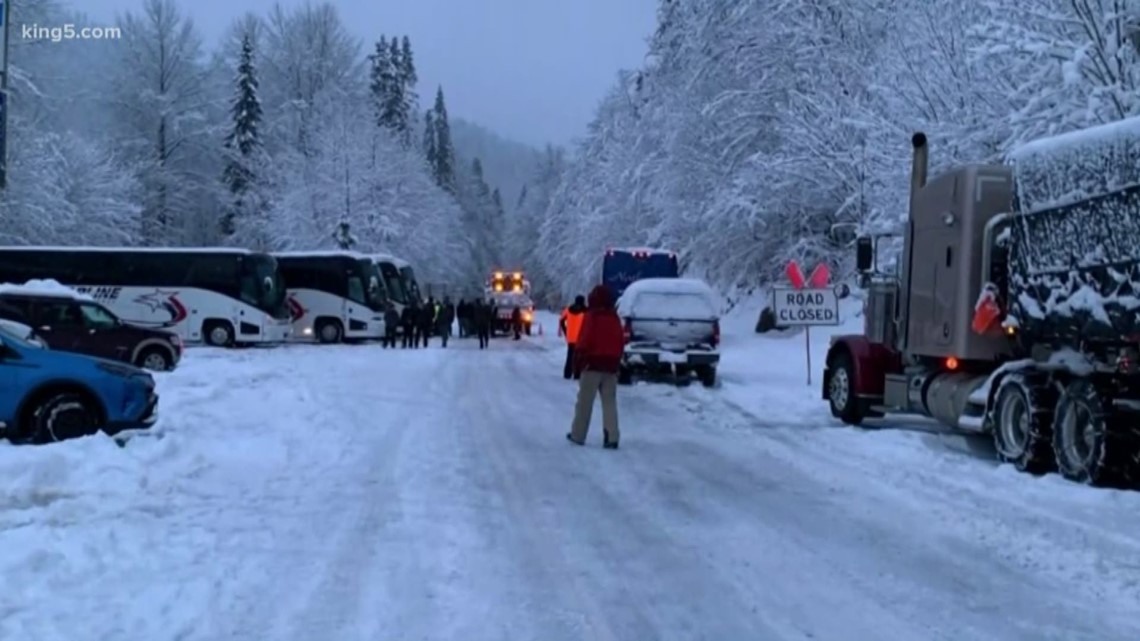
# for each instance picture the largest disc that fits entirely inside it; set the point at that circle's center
(597, 358)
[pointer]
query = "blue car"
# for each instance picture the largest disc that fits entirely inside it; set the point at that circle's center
(50, 396)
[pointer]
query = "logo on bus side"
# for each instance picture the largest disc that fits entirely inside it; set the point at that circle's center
(166, 301)
(296, 311)
(101, 293)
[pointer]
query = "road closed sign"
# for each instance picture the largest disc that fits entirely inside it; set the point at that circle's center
(805, 306)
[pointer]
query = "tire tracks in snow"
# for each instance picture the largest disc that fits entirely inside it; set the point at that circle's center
(1027, 547)
(331, 585)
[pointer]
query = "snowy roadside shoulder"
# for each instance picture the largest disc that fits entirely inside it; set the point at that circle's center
(767, 374)
(85, 522)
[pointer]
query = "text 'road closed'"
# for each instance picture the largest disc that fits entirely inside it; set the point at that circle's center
(806, 307)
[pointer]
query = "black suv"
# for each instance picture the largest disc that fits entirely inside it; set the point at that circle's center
(75, 324)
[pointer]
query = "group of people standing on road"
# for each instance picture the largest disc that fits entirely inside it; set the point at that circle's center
(418, 323)
(595, 343)
(477, 318)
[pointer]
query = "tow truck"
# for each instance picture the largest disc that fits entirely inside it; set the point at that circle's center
(507, 290)
(1013, 310)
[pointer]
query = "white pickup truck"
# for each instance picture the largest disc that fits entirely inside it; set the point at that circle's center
(672, 326)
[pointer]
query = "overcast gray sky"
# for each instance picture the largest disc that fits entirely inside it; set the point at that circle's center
(532, 70)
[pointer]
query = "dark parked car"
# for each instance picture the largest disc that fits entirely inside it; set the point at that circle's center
(75, 323)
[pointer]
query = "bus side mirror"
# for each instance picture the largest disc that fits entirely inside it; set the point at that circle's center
(864, 254)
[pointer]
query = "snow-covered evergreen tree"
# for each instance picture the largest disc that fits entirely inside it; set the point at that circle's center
(410, 77)
(429, 142)
(243, 148)
(379, 80)
(443, 158)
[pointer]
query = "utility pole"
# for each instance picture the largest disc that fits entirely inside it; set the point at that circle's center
(5, 32)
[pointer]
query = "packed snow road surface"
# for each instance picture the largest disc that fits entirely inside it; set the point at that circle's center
(345, 493)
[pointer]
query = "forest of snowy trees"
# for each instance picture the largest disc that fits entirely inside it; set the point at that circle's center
(753, 127)
(756, 124)
(293, 135)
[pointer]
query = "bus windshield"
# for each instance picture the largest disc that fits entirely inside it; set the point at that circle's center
(262, 285)
(392, 282)
(374, 291)
(408, 279)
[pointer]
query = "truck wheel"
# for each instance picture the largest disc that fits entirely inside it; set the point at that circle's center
(328, 331)
(1092, 444)
(625, 376)
(845, 406)
(218, 333)
(707, 374)
(57, 416)
(1022, 426)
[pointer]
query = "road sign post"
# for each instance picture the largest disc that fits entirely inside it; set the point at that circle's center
(5, 21)
(807, 303)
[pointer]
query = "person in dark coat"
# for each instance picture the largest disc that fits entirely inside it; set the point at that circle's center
(516, 322)
(446, 318)
(408, 320)
(597, 359)
(391, 325)
(481, 317)
(426, 323)
(464, 315)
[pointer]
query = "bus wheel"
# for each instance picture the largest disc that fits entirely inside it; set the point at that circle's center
(218, 334)
(328, 331)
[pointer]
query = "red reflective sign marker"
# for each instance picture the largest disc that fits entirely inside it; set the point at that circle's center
(820, 276)
(795, 274)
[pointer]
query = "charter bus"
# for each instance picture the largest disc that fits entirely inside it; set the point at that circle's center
(333, 296)
(214, 295)
(398, 278)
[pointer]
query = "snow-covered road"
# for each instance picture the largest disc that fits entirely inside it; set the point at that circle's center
(344, 493)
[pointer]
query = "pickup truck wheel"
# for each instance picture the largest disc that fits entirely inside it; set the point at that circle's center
(59, 416)
(707, 374)
(845, 406)
(625, 376)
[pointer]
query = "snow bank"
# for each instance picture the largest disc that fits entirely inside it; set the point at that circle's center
(43, 288)
(96, 535)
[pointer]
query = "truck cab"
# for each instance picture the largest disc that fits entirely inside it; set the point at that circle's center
(996, 320)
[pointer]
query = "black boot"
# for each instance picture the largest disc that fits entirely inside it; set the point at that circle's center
(607, 443)
(570, 437)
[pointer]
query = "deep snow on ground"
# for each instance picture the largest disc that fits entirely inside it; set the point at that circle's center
(347, 493)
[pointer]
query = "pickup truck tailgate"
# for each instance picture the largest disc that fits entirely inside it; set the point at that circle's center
(671, 332)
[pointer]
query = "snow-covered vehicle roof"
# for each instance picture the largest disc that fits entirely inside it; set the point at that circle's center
(1071, 167)
(687, 298)
(642, 250)
(325, 253)
(155, 250)
(400, 263)
(22, 331)
(43, 288)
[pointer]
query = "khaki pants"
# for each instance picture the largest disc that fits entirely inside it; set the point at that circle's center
(590, 385)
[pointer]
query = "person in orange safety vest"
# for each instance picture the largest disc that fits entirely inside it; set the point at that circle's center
(569, 325)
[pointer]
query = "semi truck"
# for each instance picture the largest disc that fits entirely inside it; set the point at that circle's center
(1013, 309)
